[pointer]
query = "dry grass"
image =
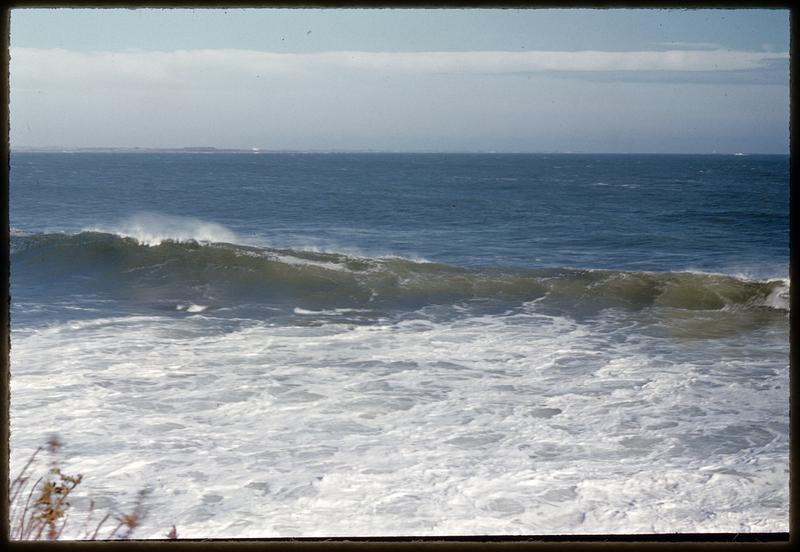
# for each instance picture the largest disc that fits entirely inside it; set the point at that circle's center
(40, 511)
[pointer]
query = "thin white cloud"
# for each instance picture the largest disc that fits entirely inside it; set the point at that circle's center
(690, 45)
(32, 67)
(514, 62)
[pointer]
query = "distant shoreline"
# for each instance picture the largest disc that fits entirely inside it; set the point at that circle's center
(258, 151)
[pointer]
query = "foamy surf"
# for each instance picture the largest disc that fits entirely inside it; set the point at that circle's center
(191, 307)
(510, 424)
(779, 296)
(330, 312)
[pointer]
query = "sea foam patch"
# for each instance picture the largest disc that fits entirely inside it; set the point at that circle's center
(191, 307)
(422, 427)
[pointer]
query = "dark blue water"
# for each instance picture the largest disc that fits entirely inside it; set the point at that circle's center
(725, 214)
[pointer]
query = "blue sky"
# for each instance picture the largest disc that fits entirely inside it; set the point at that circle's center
(660, 81)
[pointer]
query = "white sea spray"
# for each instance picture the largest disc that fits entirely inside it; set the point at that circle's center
(150, 228)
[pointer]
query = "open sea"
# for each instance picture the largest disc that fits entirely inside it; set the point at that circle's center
(279, 345)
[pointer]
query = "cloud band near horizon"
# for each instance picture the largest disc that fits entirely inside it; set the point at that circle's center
(34, 67)
(626, 101)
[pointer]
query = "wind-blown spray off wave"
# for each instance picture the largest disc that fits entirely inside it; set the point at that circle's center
(154, 228)
(226, 273)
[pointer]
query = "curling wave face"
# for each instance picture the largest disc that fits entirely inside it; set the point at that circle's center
(224, 274)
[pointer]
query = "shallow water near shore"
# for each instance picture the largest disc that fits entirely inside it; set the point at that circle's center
(285, 345)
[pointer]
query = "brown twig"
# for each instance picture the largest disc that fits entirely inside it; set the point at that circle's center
(46, 515)
(114, 532)
(19, 481)
(97, 529)
(25, 510)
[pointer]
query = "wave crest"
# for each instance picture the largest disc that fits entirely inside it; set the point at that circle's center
(219, 272)
(155, 228)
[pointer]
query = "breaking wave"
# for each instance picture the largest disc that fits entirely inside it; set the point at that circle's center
(190, 273)
(154, 228)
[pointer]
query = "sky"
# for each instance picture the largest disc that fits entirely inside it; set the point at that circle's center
(546, 80)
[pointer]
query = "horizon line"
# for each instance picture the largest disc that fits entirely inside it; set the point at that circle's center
(257, 150)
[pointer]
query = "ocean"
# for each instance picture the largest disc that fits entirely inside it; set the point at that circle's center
(309, 344)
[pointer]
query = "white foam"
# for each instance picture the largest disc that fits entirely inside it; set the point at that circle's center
(779, 297)
(298, 261)
(292, 260)
(512, 424)
(154, 228)
(298, 310)
(349, 251)
(328, 312)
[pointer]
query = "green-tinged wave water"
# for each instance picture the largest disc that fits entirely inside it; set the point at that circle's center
(225, 273)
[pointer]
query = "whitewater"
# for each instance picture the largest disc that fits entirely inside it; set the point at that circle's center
(260, 376)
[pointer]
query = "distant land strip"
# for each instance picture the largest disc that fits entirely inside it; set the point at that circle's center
(211, 150)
